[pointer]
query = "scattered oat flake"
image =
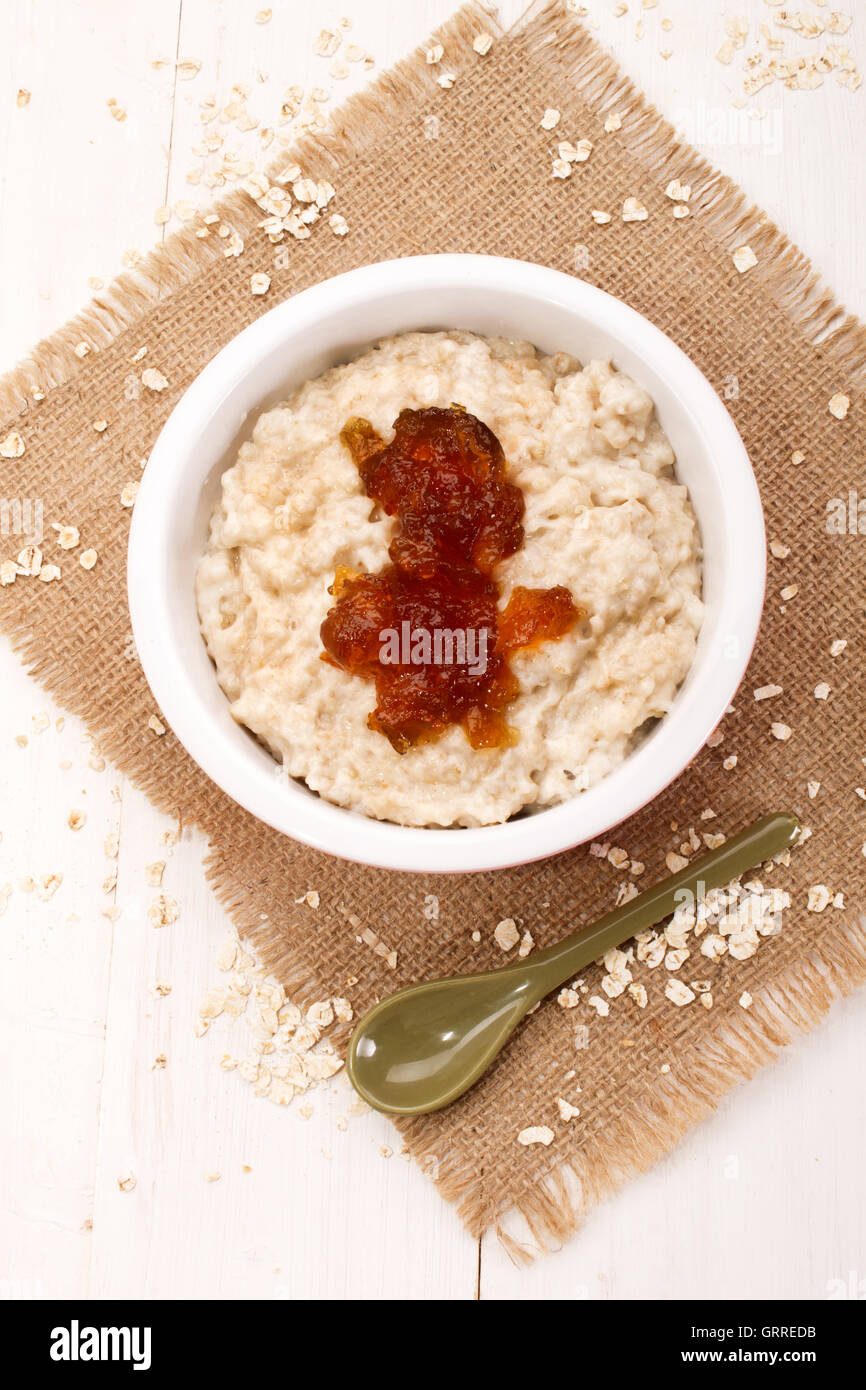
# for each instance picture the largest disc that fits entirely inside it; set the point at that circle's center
(819, 897)
(48, 573)
(730, 762)
(550, 119)
(162, 215)
(156, 726)
(678, 992)
(744, 259)
(311, 898)
(12, 447)
(153, 873)
(790, 591)
(446, 80)
(633, 210)
(638, 994)
(482, 43)
(838, 405)
(822, 690)
(536, 1134)
(599, 216)
(212, 1176)
(100, 426)
(87, 559)
(676, 862)
(561, 169)
(263, 16)
(117, 111)
(305, 190)
(435, 53)
(338, 224)
(767, 692)
(260, 283)
(227, 953)
(163, 910)
(613, 122)
(129, 494)
(76, 819)
(838, 647)
(505, 934)
(48, 886)
(326, 43)
(126, 1182)
(567, 1111)
(23, 97)
(779, 551)
(67, 536)
(678, 192)
(813, 789)
(575, 154)
(781, 732)
(29, 561)
(601, 1006)
(153, 379)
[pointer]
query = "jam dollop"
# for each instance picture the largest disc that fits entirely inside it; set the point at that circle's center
(427, 629)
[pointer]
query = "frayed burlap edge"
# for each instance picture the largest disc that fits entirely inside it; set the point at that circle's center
(798, 1001)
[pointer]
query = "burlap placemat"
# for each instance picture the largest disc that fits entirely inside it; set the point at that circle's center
(418, 168)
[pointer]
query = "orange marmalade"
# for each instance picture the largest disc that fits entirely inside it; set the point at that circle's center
(427, 630)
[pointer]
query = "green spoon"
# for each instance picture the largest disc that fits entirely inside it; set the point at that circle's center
(421, 1048)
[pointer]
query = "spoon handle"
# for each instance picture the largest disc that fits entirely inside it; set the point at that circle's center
(759, 841)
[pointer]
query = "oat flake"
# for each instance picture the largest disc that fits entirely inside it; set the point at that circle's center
(153, 379)
(567, 1111)
(536, 1134)
(12, 447)
(633, 210)
(506, 934)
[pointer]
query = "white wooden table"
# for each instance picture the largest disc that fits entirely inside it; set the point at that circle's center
(766, 1199)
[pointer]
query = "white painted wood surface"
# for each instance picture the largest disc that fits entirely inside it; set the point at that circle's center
(764, 1200)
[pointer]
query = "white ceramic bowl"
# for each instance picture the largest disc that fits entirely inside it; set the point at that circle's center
(333, 322)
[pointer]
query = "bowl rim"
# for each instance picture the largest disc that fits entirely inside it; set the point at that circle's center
(334, 829)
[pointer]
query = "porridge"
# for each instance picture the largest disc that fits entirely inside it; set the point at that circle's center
(303, 531)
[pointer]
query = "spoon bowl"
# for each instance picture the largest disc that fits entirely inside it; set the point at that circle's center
(435, 1039)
